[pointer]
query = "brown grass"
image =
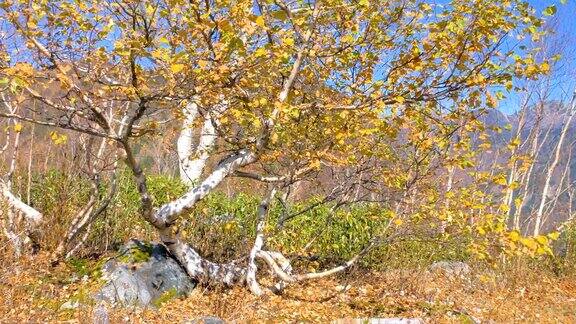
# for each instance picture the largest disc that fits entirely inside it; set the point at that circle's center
(33, 290)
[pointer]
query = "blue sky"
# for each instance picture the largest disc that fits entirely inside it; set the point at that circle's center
(564, 22)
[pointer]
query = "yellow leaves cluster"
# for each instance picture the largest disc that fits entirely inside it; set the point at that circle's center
(177, 67)
(58, 138)
(399, 99)
(260, 21)
(533, 246)
(260, 52)
(514, 143)
(500, 180)
(18, 76)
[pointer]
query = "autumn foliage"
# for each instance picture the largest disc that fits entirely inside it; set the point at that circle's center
(339, 137)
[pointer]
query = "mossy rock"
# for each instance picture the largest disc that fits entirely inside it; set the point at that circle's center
(143, 274)
(135, 251)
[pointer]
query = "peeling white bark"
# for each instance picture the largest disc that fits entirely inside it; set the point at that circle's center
(205, 145)
(185, 140)
(168, 213)
(192, 158)
(199, 268)
(29, 212)
(281, 268)
(258, 244)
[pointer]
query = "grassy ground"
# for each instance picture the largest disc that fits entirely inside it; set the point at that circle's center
(33, 291)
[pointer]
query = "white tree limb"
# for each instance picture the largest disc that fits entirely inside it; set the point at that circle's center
(258, 244)
(167, 214)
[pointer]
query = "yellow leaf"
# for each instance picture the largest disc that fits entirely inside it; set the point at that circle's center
(274, 138)
(399, 99)
(514, 236)
(260, 21)
(542, 239)
(545, 67)
(529, 243)
(426, 7)
(398, 222)
(261, 51)
(315, 164)
(18, 128)
(517, 202)
(288, 41)
(175, 68)
(58, 139)
(501, 180)
(484, 278)
(202, 63)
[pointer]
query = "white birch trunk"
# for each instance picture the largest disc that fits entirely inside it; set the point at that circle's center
(168, 213)
(534, 154)
(29, 212)
(258, 244)
(551, 205)
(192, 158)
(185, 141)
(552, 167)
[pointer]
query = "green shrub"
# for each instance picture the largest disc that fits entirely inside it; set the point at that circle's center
(223, 228)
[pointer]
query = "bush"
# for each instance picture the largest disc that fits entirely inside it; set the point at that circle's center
(223, 227)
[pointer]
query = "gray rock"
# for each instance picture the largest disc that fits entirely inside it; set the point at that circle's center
(142, 274)
(100, 315)
(450, 268)
(125, 287)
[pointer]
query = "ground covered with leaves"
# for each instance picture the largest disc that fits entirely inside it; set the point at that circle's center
(34, 290)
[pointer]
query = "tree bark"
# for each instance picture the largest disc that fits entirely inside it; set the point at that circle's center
(258, 244)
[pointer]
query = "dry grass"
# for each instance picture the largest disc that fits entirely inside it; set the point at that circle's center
(32, 291)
